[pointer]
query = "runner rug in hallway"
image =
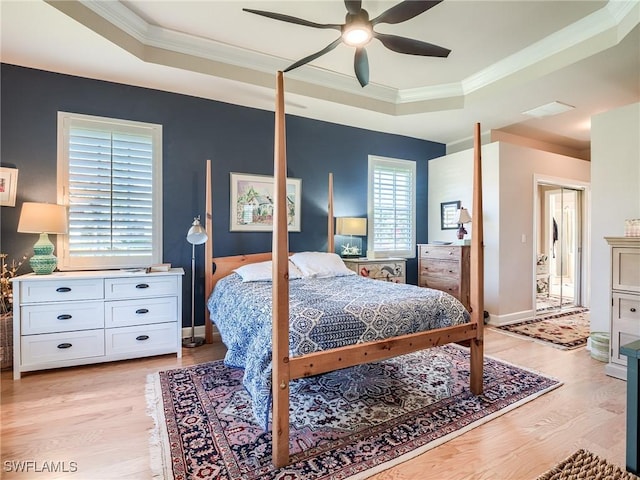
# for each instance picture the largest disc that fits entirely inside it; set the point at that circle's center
(565, 330)
(350, 423)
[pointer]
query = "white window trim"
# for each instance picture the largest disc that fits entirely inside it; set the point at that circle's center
(92, 263)
(394, 163)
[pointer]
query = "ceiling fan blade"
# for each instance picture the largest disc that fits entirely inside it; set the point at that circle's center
(353, 6)
(326, 49)
(404, 11)
(290, 19)
(411, 46)
(361, 66)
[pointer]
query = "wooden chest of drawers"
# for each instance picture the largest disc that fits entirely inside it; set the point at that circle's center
(76, 318)
(446, 268)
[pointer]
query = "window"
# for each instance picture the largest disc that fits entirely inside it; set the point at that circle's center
(392, 207)
(110, 177)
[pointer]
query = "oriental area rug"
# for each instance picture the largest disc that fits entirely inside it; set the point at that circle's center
(564, 330)
(351, 423)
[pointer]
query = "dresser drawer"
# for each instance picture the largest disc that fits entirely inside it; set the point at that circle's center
(440, 251)
(125, 313)
(449, 285)
(61, 317)
(627, 308)
(142, 338)
(61, 290)
(441, 268)
(138, 286)
(55, 347)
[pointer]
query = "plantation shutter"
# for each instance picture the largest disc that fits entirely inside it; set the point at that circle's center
(392, 185)
(110, 183)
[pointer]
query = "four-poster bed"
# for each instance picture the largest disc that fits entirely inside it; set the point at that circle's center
(284, 367)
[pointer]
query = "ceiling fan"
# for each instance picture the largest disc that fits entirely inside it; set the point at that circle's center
(357, 31)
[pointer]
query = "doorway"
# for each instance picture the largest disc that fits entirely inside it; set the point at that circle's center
(559, 248)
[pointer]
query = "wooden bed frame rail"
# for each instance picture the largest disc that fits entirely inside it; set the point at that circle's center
(286, 369)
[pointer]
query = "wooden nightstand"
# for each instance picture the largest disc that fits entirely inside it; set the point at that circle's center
(386, 269)
(77, 318)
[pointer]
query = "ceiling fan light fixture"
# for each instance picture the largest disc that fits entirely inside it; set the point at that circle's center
(357, 34)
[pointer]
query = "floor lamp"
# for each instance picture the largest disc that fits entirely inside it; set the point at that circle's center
(196, 235)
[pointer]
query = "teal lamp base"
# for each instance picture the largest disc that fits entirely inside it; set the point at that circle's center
(43, 261)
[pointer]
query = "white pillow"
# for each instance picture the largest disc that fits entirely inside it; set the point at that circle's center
(320, 264)
(261, 272)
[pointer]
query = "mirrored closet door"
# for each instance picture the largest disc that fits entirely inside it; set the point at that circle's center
(559, 248)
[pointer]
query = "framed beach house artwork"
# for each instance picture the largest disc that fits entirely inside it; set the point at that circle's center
(8, 186)
(252, 203)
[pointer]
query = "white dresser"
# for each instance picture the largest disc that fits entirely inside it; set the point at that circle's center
(76, 318)
(625, 300)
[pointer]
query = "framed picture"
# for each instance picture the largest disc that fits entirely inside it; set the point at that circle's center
(252, 203)
(448, 214)
(8, 186)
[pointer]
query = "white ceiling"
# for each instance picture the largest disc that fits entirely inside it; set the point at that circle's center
(507, 57)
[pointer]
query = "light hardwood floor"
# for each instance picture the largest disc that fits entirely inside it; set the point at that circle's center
(96, 417)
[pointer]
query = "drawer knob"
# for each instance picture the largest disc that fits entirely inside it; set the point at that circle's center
(65, 345)
(142, 337)
(64, 316)
(141, 311)
(63, 289)
(142, 285)
(633, 309)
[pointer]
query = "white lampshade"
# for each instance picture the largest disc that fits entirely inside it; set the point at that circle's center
(462, 216)
(197, 235)
(351, 226)
(42, 218)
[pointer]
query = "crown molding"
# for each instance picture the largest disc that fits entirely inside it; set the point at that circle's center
(600, 30)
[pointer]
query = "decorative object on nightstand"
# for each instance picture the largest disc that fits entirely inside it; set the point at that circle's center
(196, 235)
(462, 216)
(351, 226)
(43, 218)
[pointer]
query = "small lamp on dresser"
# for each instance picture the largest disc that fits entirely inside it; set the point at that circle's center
(43, 218)
(461, 217)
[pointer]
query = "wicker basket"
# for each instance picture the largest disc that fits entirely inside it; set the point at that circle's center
(6, 340)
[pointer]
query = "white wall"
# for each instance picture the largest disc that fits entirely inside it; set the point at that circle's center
(615, 186)
(451, 179)
(508, 184)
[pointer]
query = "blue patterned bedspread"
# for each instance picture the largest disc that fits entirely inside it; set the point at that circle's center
(324, 313)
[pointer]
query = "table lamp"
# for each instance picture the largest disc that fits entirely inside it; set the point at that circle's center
(43, 218)
(461, 217)
(351, 226)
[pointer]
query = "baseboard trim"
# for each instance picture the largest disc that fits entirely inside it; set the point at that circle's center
(199, 332)
(500, 320)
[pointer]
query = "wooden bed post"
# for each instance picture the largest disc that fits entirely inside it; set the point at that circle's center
(330, 234)
(280, 315)
(477, 270)
(208, 255)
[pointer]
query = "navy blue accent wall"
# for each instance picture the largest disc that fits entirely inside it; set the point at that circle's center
(236, 139)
